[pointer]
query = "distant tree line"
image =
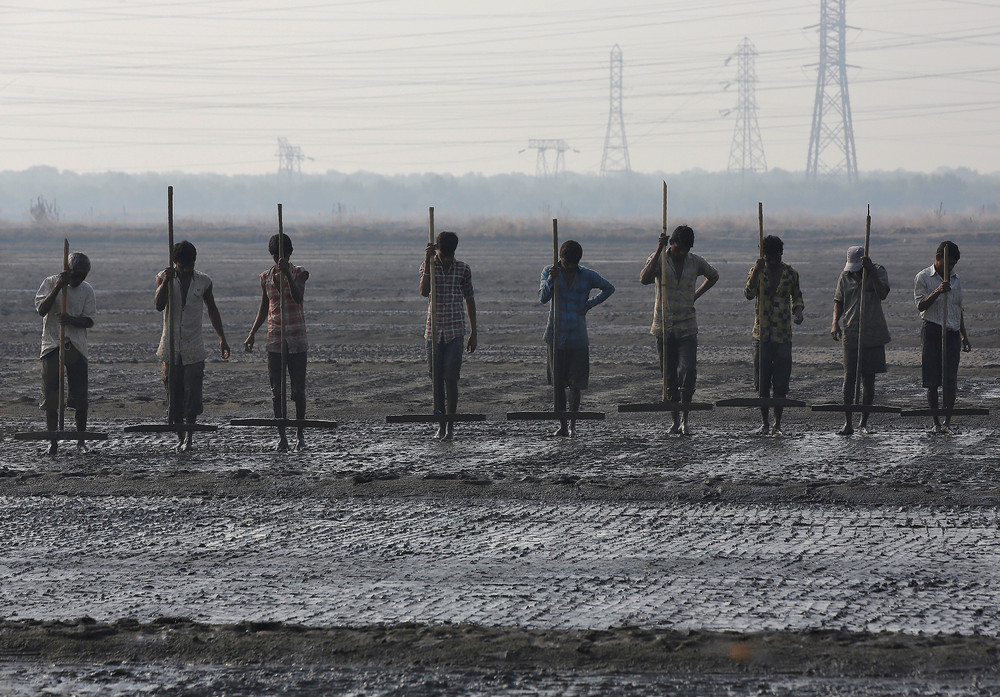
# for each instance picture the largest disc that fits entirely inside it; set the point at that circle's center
(338, 198)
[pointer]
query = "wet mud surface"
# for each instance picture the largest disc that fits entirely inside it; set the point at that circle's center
(382, 561)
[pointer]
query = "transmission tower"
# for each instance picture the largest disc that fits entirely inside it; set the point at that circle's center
(831, 142)
(747, 151)
(290, 158)
(615, 157)
(543, 145)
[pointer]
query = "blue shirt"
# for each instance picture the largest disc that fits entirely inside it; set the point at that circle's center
(573, 301)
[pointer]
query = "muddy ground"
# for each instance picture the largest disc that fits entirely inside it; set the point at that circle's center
(82, 528)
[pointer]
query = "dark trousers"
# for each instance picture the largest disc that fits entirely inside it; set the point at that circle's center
(681, 358)
(295, 365)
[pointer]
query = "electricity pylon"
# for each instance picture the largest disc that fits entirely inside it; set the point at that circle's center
(543, 145)
(747, 151)
(289, 158)
(615, 157)
(831, 142)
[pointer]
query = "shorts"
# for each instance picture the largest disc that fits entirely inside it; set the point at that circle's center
(872, 359)
(772, 363)
(573, 365)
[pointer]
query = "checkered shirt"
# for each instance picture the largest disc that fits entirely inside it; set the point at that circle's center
(453, 287)
(295, 316)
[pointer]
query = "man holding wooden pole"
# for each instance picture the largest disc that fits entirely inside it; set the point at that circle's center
(445, 327)
(286, 331)
(865, 332)
(775, 286)
(674, 323)
(191, 292)
(569, 344)
(74, 319)
(940, 353)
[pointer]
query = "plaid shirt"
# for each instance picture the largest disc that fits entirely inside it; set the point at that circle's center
(295, 317)
(453, 286)
(777, 308)
(679, 294)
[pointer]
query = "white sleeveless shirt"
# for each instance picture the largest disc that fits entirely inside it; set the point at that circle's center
(187, 313)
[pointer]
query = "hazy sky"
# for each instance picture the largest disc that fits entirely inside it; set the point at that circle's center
(397, 86)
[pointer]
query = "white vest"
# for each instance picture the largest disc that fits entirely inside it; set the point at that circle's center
(187, 315)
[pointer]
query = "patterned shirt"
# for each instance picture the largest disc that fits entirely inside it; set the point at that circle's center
(295, 316)
(925, 283)
(777, 308)
(573, 300)
(453, 286)
(679, 294)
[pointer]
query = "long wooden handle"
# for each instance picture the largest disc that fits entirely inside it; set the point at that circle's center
(760, 277)
(861, 306)
(555, 317)
(281, 314)
(760, 229)
(944, 321)
(663, 302)
(432, 272)
(171, 339)
(62, 346)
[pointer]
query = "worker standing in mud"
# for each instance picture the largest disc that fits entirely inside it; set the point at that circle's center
(452, 289)
(677, 343)
(874, 332)
(571, 354)
(775, 285)
(81, 307)
(292, 315)
(192, 293)
(928, 287)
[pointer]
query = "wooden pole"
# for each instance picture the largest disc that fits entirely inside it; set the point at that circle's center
(432, 273)
(760, 277)
(663, 301)
(171, 340)
(944, 322)
(62, 346)
(555, 317)
(281, 316)
(861, 307)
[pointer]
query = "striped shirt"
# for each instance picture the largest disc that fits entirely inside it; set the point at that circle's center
(295, 316)
(453, 286)
(679, 294)
(778, 307)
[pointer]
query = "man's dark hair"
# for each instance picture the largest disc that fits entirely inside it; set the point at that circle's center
(79, 262)
(953, 253)
(447, 242)
(286, 243)
(185, 253)
(571, 251)
(772, 244)
(683, 236)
